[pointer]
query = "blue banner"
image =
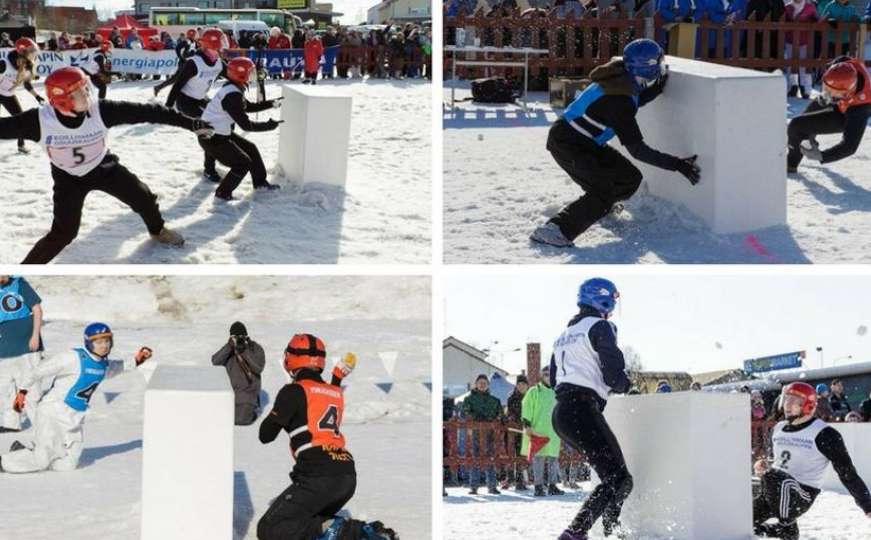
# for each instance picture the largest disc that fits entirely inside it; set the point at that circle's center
(278, 60)
(772, 363)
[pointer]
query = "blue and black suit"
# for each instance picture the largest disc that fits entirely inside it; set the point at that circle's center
(578, 142)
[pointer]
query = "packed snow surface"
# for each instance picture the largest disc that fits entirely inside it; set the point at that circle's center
(382, 216)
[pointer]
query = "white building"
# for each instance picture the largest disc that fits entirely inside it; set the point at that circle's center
(397, 11)
(462, 363)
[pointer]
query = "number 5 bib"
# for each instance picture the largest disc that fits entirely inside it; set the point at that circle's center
(76, 151)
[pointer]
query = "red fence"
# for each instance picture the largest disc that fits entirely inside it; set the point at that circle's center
(497, 446)
(577, 44)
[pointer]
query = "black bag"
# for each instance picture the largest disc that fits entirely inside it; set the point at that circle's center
(492, 90)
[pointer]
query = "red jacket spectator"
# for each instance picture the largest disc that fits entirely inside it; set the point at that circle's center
(282, 41)
(154, 44)
(313, 51)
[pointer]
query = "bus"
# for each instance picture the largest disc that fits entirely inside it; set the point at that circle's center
(176, 20)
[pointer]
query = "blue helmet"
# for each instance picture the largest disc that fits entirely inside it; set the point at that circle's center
(95, 331)
(598, 293)
(822, 388)
(642, 58)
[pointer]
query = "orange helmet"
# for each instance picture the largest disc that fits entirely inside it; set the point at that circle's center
(841, 78)
(22, 45)
(212, 39)
(239, 69)
(304, 351)
(804, 391)
(61, 84)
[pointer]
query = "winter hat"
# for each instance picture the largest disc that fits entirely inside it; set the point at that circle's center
(481, 376)
(522, 379)
(238, 329)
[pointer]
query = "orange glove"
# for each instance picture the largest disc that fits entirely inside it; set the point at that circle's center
(143, 354)
(18, 404)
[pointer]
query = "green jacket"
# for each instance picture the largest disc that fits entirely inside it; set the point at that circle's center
(538, 404)
(481, 406)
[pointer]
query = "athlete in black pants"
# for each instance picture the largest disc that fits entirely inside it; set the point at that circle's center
(17, 69)
(844, 107)
(81, 163)
(184, 49)
(578, 141)
(225, 110)
(310, 410)
(803, 446)
(585, 368)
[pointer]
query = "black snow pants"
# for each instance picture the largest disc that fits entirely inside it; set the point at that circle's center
(69, 198)
(13, 107)
(579, 422)
(300, 511)
(194, 108)
(240, 155)
(817, 119)
(606, 176)
(781, 496)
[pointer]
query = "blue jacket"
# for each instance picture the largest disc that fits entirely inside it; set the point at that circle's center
(713, 9)
(868, 10)
(739, 8)
(676, 10)
(839, 12)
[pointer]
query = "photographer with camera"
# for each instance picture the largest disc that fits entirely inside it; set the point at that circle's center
(244, 360)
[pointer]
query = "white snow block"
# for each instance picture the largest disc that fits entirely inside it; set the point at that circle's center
(733, 118)
(187, 455)
(313, 141)
(689, 455)
(857, 439)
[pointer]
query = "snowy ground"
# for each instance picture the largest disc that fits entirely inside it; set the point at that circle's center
(382, 217)
(834, 516)
(388, 433)
(500, 182)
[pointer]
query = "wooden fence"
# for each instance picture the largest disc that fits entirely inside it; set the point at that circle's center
(577, 44)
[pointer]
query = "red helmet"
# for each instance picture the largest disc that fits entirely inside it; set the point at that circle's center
(804, 391)
(842, 78)
(304, 351)
(212, 39)
(22, 45)
(61, 84)
(239, 69)
(191, 33)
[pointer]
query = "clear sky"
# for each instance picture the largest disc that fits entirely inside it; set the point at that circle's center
(354, 10)
(676, 323)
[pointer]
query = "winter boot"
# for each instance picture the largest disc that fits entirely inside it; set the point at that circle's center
(550, 234)
(805, 92)
(267, 186)
(539, 491)
(169, 236)
(553, 490)
(23, 149)
(211, 176)
(519, 486)
(473, 491)
(793, 91)
(570, 535)
(494, 491)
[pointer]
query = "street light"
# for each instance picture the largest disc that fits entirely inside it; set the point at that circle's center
(820, 350)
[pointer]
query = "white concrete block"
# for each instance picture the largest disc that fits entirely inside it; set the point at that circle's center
(187, 455)
(857, 439)
(689, 455)
(313, 140)
(733, 119)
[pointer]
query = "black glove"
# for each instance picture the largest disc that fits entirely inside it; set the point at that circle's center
(687, 167)
(240, 343)
(39, 99)
(271, 124)
(663, 78)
